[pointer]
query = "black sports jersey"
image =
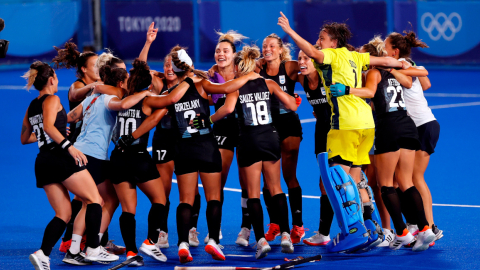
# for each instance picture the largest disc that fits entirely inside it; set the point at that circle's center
(230, 117)
(74, 104)
(285, 83)
(318, 99)
(166, 121)
(254, 104)
(389, 95)
(35, 117)
(185, 110)
(128, 121)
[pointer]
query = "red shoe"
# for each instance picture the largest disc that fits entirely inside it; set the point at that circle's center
(65, 246)
(184, 253)
(432, 244)
(296, 234)
(273, 232)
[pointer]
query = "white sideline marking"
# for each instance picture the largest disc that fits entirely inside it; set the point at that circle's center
(318, 197)
(22, 87)
(427, 94)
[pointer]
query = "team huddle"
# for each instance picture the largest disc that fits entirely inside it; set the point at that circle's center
(374, 135)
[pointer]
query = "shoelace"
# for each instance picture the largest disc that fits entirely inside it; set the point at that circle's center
(298, 229)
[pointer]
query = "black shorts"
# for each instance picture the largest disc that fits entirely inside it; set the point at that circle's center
(197, 154)
(394, 131)
(429, 134)
(163, 145)
(54, 166)
(226, 132)
(287, 125)
(135, 165)
(260, 143)
(99, 169)
(321, 130)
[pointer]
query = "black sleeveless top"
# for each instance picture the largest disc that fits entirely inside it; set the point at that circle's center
(75, 127)
(318, 99)
(389, 95)
(254, 104)
(166, 121)
(285, 83)
(35, 117)
(191, 104)
(127, 123)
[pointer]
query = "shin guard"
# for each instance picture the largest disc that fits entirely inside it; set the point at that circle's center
(347, 205)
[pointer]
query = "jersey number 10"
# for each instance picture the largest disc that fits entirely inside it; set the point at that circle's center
(124, 124)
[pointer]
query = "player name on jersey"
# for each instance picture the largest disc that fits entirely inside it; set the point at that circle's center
(393, 82)
(188, 105)
(254, 97)
(131, 113)
(36, 119)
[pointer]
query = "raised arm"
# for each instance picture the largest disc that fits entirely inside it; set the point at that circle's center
(373, 78)
(27, 136)
(78, 91)
(230, 86)
(287, 100)
(76, 114)
(388, 62)
(151, 36)
(404, 80)
(159, 102)
(227, 108)
(302, 44)
(115, 104)
(415, 71)
(108, 90)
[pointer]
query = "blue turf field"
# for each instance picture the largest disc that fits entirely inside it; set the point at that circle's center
(451, 176)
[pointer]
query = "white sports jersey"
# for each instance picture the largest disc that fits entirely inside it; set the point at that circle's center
(417, 105)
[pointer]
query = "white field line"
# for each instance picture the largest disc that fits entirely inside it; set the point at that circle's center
(22, 87)
(427, 94)
(318, 197)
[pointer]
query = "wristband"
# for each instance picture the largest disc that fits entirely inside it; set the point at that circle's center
(65, 144)
(190, 82)
(347, 90)
(210, 118)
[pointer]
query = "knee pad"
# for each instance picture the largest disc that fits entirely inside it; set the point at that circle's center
(369, 205)
(346, 203)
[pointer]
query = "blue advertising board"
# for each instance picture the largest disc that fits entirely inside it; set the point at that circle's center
(127, 24)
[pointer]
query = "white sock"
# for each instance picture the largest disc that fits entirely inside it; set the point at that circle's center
(75, 246)
(100, 235)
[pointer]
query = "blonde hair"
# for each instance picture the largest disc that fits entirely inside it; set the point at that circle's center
(231, 36)
(30, 76)
(106, 59)
(38, 75)
(376, 47)
(246, 59)
(286, 47)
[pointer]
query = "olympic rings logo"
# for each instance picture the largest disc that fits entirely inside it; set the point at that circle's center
(441, 28)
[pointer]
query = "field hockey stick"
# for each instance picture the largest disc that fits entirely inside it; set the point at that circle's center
(126, 262)
(287, 265)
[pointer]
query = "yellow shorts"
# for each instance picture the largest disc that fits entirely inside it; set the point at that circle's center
(351, 145)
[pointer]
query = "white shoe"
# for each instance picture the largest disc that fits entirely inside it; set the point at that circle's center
(389, 237)
(99, 254)
(438, 233)
(152, 250)
(423, 240)
(401, 241)
(215, 250)
(162, 240)
(136, 263)
(262, 248)
(75, 259)
(193, 237)
(286, 243)
(412, 228)
(317, 239)
(184, 253)
(243, 237)
(39, 260)
(220, 237)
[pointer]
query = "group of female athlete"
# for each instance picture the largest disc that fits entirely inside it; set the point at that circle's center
(253, 95)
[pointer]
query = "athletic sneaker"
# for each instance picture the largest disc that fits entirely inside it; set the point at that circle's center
(412, 228)
(39, 260)
(243, 237)
(65, 245)
(220, 237)
(115, 249)
(184, 253)
(438, 233)
(317, 239)
(262, 248)
(193, 237)
(424, 239)
(273, 232)
(75, 259)
(135, 263)
(297, 233)
(405, 239)
(99, 254)
(287, 246)
(162, 240)
(389, 237)
(215, 250)
(149, 248)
